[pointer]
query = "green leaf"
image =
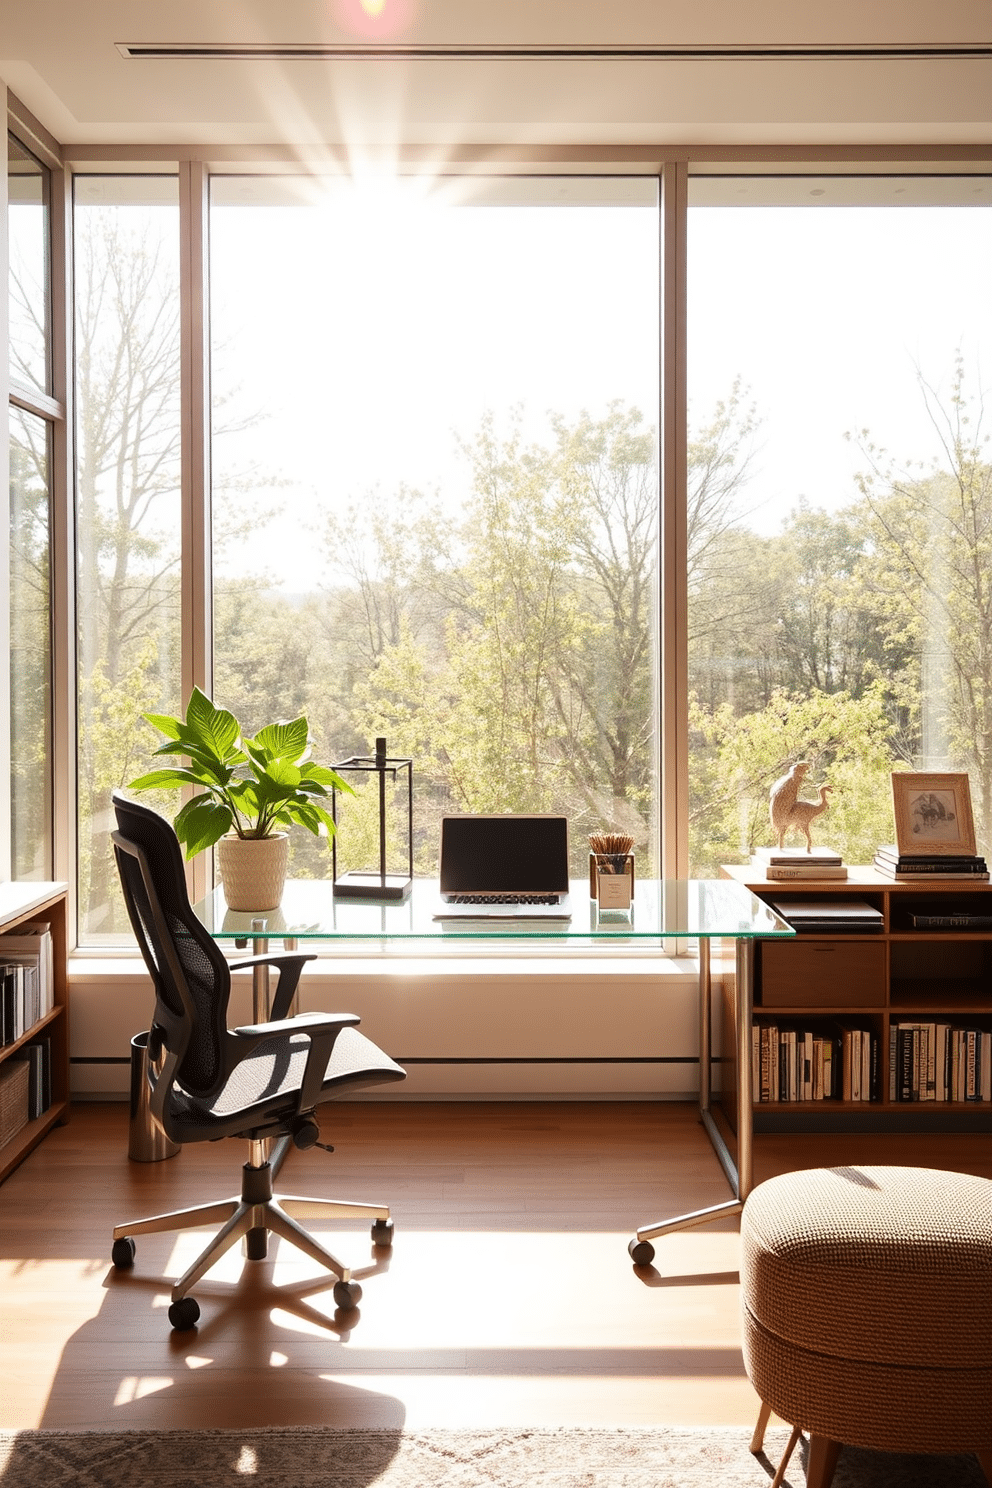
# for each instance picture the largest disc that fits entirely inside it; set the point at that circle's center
(201, 823)
(244, 795)
(321, 775)
(211, 728)
(164, 723)
(283, 741)
(282, 773)
(164, 777)
(311, 816)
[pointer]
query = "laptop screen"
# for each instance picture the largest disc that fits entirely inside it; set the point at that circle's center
(504, 854)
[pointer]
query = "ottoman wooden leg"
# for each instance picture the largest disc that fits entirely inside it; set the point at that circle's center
(758, 1439)
(985, 1458)
(823, 1454)
(786, 1457)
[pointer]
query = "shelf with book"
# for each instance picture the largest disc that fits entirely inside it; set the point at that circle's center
(34, 1017)
(924, 974)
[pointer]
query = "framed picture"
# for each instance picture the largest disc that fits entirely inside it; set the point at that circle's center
(933, 815)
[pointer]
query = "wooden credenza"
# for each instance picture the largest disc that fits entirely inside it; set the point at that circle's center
(21, 903)
(911, 971)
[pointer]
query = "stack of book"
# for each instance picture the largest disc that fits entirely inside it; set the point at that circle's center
(795, 1064)
(931, 1061)
(798, 862)
(893, 864)
(26, 981)
(859, 1063)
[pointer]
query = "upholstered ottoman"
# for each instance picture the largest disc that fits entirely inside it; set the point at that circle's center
(867, 1310)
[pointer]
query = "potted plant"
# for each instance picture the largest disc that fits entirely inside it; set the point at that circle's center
(249, 791)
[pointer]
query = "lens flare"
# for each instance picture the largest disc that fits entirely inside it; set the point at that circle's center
(380, 20)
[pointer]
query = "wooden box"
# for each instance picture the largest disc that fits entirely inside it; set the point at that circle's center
(832, 973)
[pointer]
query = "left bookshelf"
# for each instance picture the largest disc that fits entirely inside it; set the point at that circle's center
(34, 1059)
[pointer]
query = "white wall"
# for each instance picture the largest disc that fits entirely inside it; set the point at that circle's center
(555, 1011)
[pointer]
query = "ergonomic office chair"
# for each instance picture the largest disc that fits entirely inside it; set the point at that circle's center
(257, 1082)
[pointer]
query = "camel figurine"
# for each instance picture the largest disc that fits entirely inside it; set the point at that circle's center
(787, 812)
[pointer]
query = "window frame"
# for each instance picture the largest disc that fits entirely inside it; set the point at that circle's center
(671, 166)
(52, 407)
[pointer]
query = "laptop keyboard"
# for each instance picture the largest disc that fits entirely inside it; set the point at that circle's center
(504, 899)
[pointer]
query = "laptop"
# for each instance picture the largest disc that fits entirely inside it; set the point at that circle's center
(829, 914)
(508, 867)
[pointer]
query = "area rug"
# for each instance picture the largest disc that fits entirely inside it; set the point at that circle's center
(309, 1457)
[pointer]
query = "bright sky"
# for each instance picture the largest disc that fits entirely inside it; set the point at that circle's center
(827, 315)
(386, 332)
(382, 328)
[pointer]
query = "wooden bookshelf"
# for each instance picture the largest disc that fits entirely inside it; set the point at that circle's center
(20, 903)
(875, 979)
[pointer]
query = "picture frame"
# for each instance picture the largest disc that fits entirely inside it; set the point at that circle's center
(933, 815)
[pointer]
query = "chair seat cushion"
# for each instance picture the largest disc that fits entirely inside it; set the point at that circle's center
(882, 1264)
(267, 1082)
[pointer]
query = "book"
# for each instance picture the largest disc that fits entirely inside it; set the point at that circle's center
(950, 920)
(38, 1059)
(782, 871)
(33, 941)
(799, 857)
(906, 1061)
(931, 872)
(922, 861)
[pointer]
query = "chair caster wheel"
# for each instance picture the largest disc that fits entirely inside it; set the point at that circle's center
(382, 1232)
(641, 1252)
(347, 1294)
(184, 1314)
(122, 1253)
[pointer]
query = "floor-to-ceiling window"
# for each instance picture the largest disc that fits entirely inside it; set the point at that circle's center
(30, 515)
(128, 513)
(840, 498)
(435, 487)
(435, 491)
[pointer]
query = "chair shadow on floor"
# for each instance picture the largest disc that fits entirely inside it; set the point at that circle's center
(264, 1355)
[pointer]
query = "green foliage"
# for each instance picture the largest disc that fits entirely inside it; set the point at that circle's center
(253, 786)
(847, 743)
(928, 566)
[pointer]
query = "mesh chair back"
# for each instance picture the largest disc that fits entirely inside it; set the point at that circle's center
(191, 976)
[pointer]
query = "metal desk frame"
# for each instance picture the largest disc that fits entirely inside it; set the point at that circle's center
(739, 1173)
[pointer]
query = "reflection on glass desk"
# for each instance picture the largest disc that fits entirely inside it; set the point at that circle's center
(663, 911)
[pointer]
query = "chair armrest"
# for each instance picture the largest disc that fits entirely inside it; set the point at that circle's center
(303, 1023)
(322, 1030)
(290, 966)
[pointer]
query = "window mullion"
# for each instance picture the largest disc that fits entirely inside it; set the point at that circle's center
(674, 654)
(197, 628)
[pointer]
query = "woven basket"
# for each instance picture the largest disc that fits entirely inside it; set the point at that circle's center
(14, 1076)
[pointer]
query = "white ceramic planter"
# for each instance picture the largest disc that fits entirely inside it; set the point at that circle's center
(253, 870)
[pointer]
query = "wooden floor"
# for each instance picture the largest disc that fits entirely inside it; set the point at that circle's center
(509, 1297)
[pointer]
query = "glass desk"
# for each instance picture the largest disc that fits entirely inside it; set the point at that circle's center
(664, 913)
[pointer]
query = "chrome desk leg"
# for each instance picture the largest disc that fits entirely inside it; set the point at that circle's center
(739, 1174)
(261, 1010)
(260, 1003)
(280, 1145)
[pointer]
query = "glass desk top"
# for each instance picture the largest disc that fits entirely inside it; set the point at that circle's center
(663, 909)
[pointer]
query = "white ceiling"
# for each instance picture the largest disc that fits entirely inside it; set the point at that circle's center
(61, 58)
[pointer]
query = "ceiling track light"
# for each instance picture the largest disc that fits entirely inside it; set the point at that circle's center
(412, 52)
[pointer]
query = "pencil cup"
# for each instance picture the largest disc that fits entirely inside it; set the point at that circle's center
(611, 879)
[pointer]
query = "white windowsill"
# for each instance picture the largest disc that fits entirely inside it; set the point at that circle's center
(86, 966)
